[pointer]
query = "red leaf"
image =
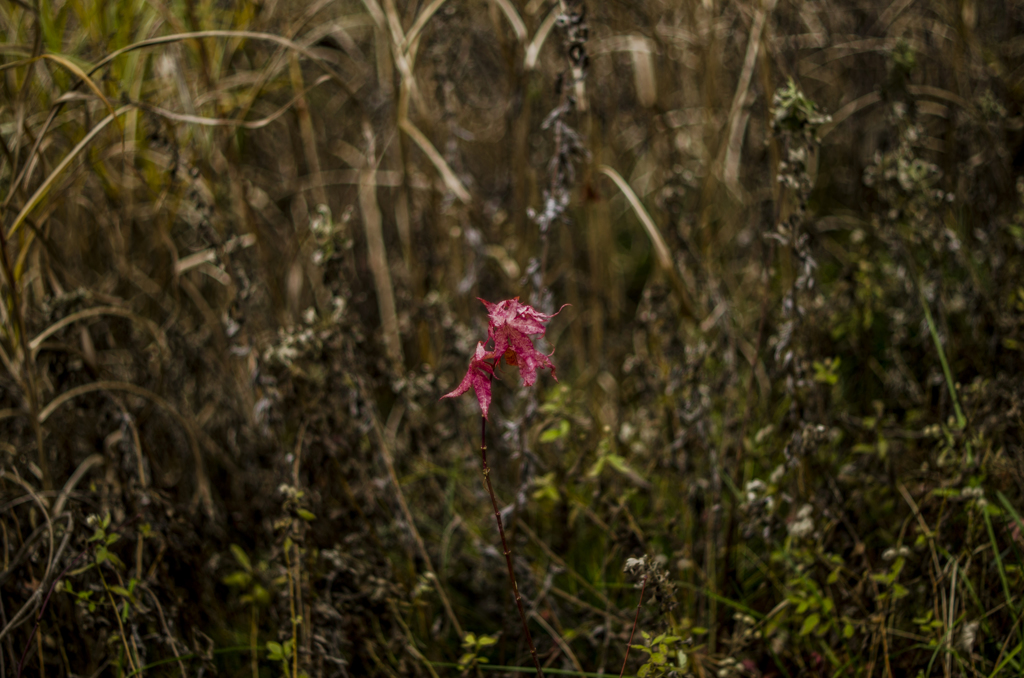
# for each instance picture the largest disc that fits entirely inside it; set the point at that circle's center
(479, 377)
(509, 326)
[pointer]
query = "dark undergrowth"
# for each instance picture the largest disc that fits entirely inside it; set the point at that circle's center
(242, 245)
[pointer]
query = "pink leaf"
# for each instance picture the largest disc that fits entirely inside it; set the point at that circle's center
(479, 377)
(509, 326)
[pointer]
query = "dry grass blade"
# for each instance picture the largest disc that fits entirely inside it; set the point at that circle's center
(447, 175)
(376, 13)
(69, 65)
(151, 326)
(886, 18)
(309, 146)
(72, 482)
(661, 251)
(421, 21)
(378, 258)
(403, 59)
(559, 640)
(641, 51)
(394, 22)
(204, 495)
(233, 122)
(5, 360)
(209, 255)
(533, 49)
(40, 192)
(516, 21)
(73, 67)
(389, 463)
(643, 71)
(849, 109)
(252, 35)
(736, 128)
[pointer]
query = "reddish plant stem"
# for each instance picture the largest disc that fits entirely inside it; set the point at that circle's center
(640, 602)
(504, 546)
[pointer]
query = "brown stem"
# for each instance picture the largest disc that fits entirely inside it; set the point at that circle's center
(640, 602)
(504, 546)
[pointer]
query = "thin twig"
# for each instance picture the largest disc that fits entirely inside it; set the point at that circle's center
(504, 545)
(643, 586)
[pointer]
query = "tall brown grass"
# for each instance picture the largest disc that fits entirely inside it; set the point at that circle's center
(241, 248)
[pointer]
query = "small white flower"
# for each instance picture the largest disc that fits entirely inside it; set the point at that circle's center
(968, 634)
(893, 553)
(803, 525)
(633, 564)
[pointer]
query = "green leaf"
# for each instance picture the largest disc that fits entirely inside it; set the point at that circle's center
(308, 516)
(274, 651)
(239, 579)
(121, 591)
(241, 557)
(553, 434)
(260, 595)
(848, 630)
(809, 624)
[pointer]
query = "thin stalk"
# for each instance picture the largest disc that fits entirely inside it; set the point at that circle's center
(254, 655)
(504, 546)
(120, 626)
(643, 586)
(28, 363)
(961, 420)
(292, 584)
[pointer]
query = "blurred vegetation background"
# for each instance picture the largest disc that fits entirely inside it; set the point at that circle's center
(242, 245)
